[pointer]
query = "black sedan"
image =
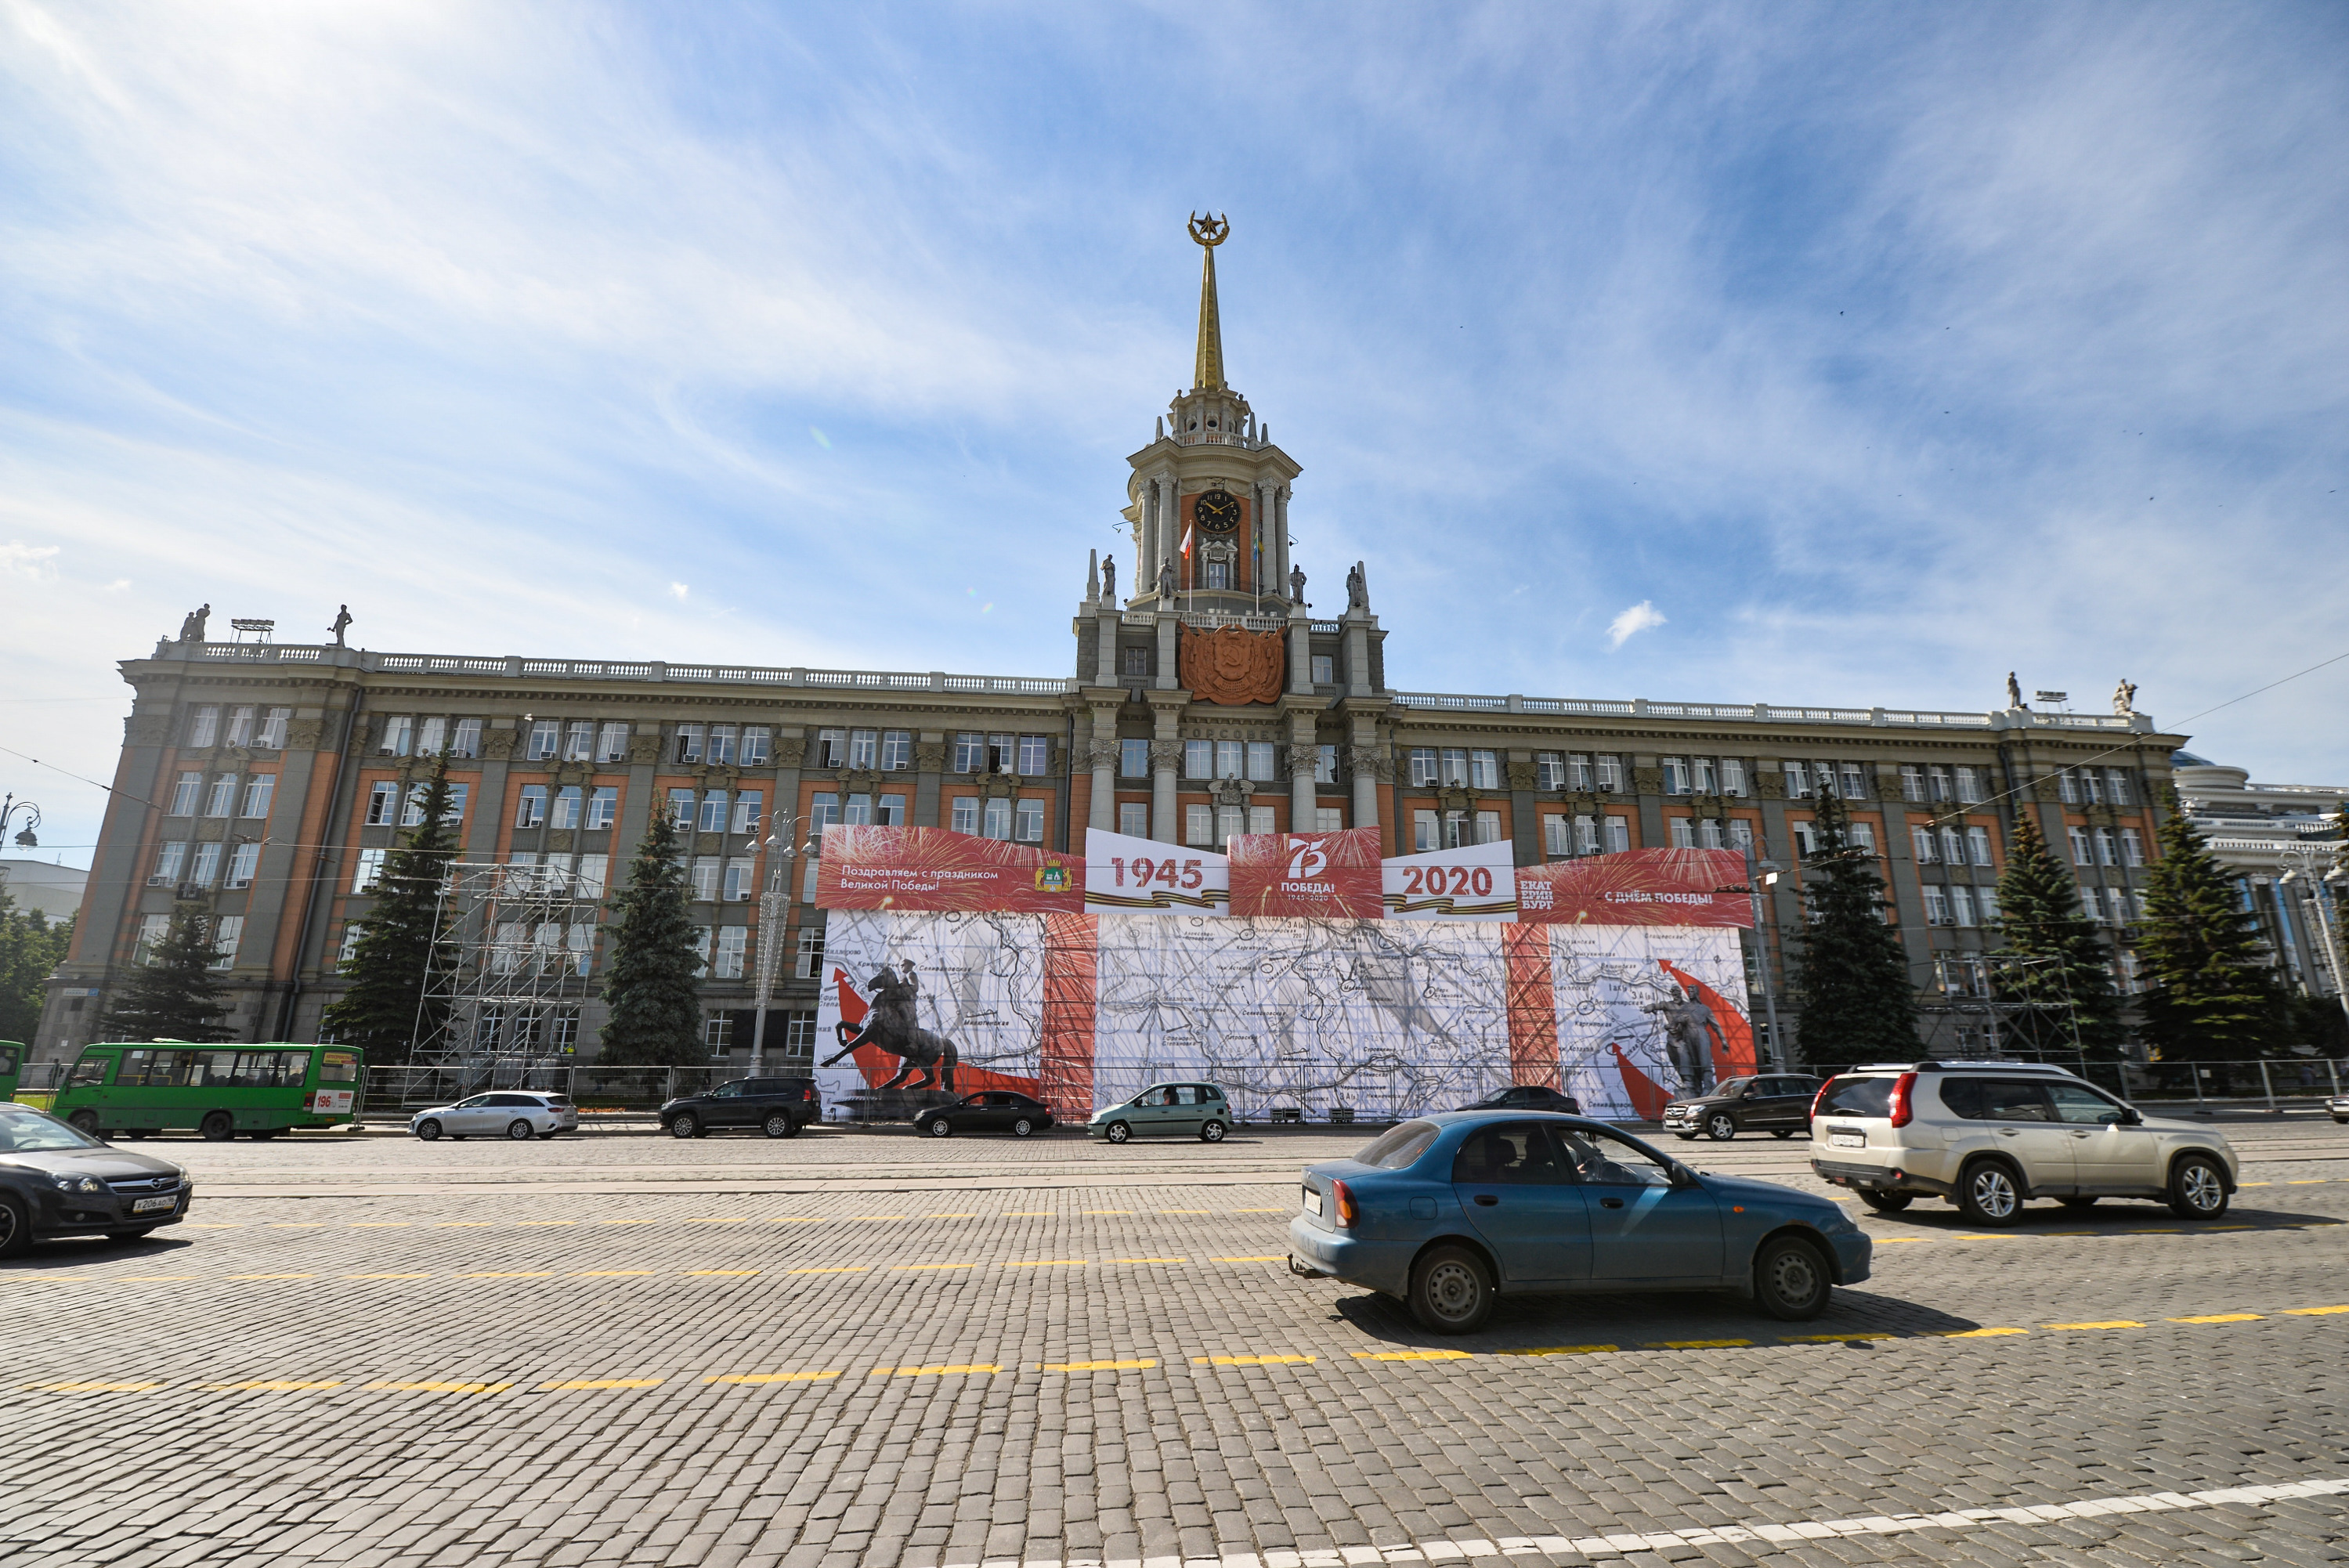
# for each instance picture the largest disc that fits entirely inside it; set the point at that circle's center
(57, 1180)
(990, 1110)
(1530, 1097)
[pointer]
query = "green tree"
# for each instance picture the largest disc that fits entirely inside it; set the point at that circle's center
(654, 994)
(386, 1011)
(2052, 969)
(31, 947)
(174, 995)
(2213, 995)
(1851, 982)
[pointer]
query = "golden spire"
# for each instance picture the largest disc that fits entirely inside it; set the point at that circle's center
(1208, 372)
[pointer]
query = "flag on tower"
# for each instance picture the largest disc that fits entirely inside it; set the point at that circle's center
(1187, 542)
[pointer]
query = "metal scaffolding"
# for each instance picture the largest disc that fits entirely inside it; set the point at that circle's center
(508, 978)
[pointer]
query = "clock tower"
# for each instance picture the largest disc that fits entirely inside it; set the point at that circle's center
(1208, 499)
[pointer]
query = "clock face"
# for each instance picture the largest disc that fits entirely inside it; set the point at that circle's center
(1218, 512)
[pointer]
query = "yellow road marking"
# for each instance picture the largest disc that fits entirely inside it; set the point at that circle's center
(852, 1268)
(915, 1268)
(1247, 1360)
(609, 1274)
(1093, 1366)
(1560, 1350)
(388, 1276)
(272, 1386)
(438, 1388)
(98, 1388)
(1413, 1355)
(2222, 1317)
(1052, 1263)
(2314, 1310)
(1698, 1344)
(2110, 1323)
(772, 1377)
(525, 1274)
(1150, 1260)
(607, 1383)
(1258, 1257)
(1977, 1333)
(2308, 1181)
(736, 1272)
(273, 1276)
(932, 1371)
(2254, 1183)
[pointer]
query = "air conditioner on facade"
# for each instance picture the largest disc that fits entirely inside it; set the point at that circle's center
(235, 882)
(158, 881)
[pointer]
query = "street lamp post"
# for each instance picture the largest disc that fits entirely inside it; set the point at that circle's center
(783, 850)
(2303, 860)
(1755, 870)
(11, 809)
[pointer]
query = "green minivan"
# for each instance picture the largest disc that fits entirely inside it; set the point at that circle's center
(1167, 1109)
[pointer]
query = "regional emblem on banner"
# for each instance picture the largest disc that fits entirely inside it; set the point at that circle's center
(1052, 877)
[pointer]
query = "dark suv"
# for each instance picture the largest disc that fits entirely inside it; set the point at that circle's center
(1528, 1096)
(779, 1107)
(1776, 1103)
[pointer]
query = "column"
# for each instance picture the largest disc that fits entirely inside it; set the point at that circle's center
(1103, 746)
(1279, 510)
(1165, 757)
(1105, 667)
(1300, 652)
(1168, 678)
(1304, 756)
(1146, 541)
(1366, 780)
(1358, 656)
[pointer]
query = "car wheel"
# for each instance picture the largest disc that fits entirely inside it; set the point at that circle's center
(1791, 1280)
(2080, 1202)
(1989, 1194)
(1023, 1127)
(685, 1124)
(2198, 1189)
(1450, 1292)
(549, 1133)
(1117, 1133)
(218, 1126)
(137, 1233)
(1782, 1132)
(779, 1125)
(521, 1132)
(1212, 1132)
(83, 1121)
(939, 1127)
(15, 1227)
(1886, 1202)
(429, 1131)
(1720, 1127)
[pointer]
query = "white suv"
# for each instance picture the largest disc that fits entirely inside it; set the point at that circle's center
(1991, 1136)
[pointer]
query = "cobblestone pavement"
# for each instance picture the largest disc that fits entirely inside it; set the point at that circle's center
(864, 1347)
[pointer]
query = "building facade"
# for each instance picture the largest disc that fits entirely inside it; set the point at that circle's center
(1210, 695)
(2262, 833)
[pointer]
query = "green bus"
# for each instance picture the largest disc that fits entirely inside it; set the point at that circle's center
(12, 1063)
(160, 1086)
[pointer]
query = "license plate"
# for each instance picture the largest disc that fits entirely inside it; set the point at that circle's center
(153, 1205)
(1846, 1140)
(1312, 1202)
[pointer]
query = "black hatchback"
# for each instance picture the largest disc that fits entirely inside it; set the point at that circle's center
(992, 1110)
(779, 1107)
(57, 1180)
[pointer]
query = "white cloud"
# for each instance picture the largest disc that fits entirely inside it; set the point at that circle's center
(680, 590)
(20, 559)
(1639, 617)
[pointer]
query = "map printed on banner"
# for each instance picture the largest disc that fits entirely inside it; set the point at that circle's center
(1332, 876)
(1123, 872)
(1639, 887)
(938, 869)
(1474, 881)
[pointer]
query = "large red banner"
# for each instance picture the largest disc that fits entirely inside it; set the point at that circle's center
(1637, 887)
(937, 870)
(1324, 876)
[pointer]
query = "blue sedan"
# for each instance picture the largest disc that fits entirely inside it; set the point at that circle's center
(1449, 1211)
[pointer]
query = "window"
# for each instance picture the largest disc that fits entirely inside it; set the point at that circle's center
(1260, 819)
(722, 743)
(240, 727)
(748, 806)
(257, 792)
(1325, 670)
(2116, 786)
(1618, 835)
(370, 869)
(1863, 834)
(733, 944)
(383, 803)
(1035, 755)
(2079, 837)
(1953, 848)
(1325, 765)
(1937, 906)
(969, 751)
(705, 871)
(1921, 839)
(467, 741)
(1798, 782)
(222, 796)
(1733, 776)
(830, 748)
(757, 746)
(1962, 905)
(352, 931)
(1229, 820)
(1230, 758)
(1329, 819)
(858, 812)
(1988, 898)
(1806, 842)
(1705, 776)
(430, 736)
(2088, 902)
(1027, 826)
(1683, 834)
(1134, 819)
(1260, 762)
(688, 742)
(1483, 770)
(810, 957)
(1558, 836)
(824, 812)
(2107, 848)
(680, 808)
(243, 863)
(611, 742)
(2092, 787)
(1676, 776)
(2132, 848)
(1198, 760)
(151, 928)
(701, 945)
(545, 737)
(226, 933)
(1610, 774)
(1937, 782)
(998, 818)
(1549, 772)
(1000, 756)
(1969, 784)
(603, 807)
(1424, 832)
(1134, 661)
(184, 794)
(1198, 825)
(864, 749)
(566, 806)
(964, 814)
(1978, 845)
(2066, 789)
(578, 740)
(2131, 983)
(889, 813)
(1741, 834)
(271, 736)
(1912, 781)
(1855, 782)
(896, 750)
(1422, 766)
(592, 870)
(713, 813)
(1708, 833)
(530, 809)
(169, 859)
(1455, 770)
(204, 726)
(411, 811)
(1133, 758)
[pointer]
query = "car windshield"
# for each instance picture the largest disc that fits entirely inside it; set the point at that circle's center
(24, 1131)
(1397, 1147)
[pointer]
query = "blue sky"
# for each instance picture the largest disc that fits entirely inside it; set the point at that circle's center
(1875, 351)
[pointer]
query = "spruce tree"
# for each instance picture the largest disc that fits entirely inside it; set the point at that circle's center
(385, 1012)
(31, 947)
(2053, 970)
(654, 994)
(2213, 995)
(1851, 983)
(174, 994)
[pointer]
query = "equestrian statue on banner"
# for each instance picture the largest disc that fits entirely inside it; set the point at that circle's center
(891, 1025)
